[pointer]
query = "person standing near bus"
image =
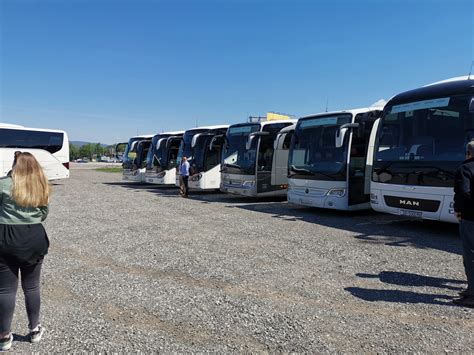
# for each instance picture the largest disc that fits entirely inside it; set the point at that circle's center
(24, 196)
(184, 174)
(464, 209)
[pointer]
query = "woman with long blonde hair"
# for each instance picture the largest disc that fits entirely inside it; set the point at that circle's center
(24, 196)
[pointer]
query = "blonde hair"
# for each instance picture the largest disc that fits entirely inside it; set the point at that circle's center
(30, 188)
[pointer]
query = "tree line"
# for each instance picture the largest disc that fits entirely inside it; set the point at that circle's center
(90, 151)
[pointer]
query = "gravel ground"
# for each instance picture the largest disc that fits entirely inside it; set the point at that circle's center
(138, 269)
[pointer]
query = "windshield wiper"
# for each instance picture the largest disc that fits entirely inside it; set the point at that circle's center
(301, 170)
(230, 165)
(434, 169)
(308, 172)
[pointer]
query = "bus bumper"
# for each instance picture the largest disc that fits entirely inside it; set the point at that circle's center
(433, 203)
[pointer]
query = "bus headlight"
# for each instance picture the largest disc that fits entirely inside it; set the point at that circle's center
(162, 174)
(337, 192)
(248, 184)
(196, 177)
(374, 199)
(451, 207)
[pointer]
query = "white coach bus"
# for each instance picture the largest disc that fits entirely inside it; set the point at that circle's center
(206, 163)
(327, 162)
(186, 148)
(162, 158)
(134, 158)
(418, 143)
(50, 148)
(251, 165)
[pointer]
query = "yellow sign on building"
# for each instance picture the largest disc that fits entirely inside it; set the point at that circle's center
(272, 116)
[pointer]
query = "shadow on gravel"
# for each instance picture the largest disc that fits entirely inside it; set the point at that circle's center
(371, 227)
(409, 279)
(162, 190)
(396, 296)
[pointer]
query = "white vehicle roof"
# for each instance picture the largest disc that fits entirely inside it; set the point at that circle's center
(207, 127)
(264, 123)
(457, 78)
(14, 126)
(354, 111)
(173, 133)
(145, 136)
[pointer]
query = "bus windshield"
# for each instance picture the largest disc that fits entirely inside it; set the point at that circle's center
(185, 148)
(157, 154)
(130, 151)
(424, 139)
(236, 156)
(150, 162)
(314, 152)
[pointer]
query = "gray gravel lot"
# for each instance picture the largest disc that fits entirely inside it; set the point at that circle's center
(136, 268)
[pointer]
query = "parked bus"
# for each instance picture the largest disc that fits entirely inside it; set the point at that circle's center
(134, 158)
(194, 142)
(418, 143)
(327, 162)
(250, 160)
(162, 158)
(206, 164)
(50, 148)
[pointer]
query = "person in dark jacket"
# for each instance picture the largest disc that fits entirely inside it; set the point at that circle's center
(464, 209)
(24, 196)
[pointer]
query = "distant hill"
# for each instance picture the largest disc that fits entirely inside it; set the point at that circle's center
(81, 143)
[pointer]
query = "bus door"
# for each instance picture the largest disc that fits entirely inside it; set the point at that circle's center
(213, 155)
(280, 158)
(172, 147)
(265, 163)
(358, 157)
(142, 152)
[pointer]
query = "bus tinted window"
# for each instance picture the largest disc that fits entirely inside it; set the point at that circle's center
(17, 138)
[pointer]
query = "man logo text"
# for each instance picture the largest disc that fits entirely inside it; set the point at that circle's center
(409, 203)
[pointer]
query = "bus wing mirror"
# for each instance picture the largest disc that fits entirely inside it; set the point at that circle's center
(169, 140)
(214, 139)
(275, 142)
(471, 105)
(248, 144)
(194, 140)
(252, 136)
(341, 133)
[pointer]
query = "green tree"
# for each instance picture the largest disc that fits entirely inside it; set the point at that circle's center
(73, 152)
(86, 151)
(98, 150)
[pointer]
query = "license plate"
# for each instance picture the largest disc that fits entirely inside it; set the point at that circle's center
(306, 202)
(408, 213)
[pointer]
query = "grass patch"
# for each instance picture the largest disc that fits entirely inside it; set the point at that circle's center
(115, 169)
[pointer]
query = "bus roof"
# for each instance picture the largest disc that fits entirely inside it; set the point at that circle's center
(263, 123)
(450, 87)
(354, 111)
(173, 133)
(14, 126)
(144, 136)
(207, 127)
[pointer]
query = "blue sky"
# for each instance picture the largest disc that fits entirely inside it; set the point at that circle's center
(104, 70)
